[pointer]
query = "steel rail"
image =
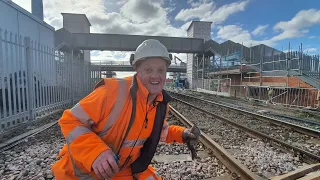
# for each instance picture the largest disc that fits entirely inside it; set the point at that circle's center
(292, 126)
(296, 150)
(9, 144)
(225, 157)
(309, 121)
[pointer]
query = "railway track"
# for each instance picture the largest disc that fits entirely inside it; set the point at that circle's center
(302, 142)
(308, 123)
(291, 125)
(262, 154)
(238, 169)
(30, 156)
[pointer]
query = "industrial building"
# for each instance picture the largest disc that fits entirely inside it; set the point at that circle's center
(232, 69)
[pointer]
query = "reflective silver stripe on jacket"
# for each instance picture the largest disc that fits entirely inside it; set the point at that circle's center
(150, 178)
(79, 113)
(74, 134)
(130, 143)
(117, 108)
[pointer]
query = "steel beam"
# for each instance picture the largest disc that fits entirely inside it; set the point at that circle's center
(181, 69)
(119, 42)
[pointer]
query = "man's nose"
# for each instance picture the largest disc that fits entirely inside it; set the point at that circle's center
(155, 74)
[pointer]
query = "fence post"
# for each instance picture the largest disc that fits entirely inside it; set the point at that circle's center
(30, 78)
(203, 71)
(72, 78)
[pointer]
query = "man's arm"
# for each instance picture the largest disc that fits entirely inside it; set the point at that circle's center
(171, 133)
(84, 145)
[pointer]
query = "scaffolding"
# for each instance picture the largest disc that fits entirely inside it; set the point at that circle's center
(260, 67)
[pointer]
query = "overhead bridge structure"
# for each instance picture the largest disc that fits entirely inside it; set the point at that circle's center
(182, 69)
(120, 42)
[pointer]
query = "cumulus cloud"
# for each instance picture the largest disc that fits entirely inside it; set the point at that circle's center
(260, 30)
(310, 50)
(119, 17)
(225, 11)
(143, 11)
(136, 17)
(207, 11)
(110, 56)
(237, 34)
(196, 12)
(296, 27)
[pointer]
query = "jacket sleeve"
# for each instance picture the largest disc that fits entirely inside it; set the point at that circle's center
(171, 133)
(83, 144)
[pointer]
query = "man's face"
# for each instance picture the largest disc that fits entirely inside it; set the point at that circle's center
(152, 73)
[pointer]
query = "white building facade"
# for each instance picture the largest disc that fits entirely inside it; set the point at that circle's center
(197, 29)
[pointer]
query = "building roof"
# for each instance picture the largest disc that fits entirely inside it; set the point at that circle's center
(197, 21)
(74, 14)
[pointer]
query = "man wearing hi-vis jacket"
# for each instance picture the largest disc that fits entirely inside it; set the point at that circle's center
(113, 132)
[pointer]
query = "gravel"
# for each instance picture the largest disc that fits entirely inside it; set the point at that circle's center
(198, 169)
(28, 126)
(33, 158)
(258, 156)
(201, 168)
(300, 140)
(267, 110)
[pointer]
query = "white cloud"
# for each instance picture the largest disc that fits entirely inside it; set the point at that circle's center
(296, 27)
(196, 12)
(107, 17)
(185, 26)
(310, 50)
(312, 37)
(237, 34)
(110, 56)
(206, 11)
(25, 4)
(197, 3)
(221, 14)
(260, 30)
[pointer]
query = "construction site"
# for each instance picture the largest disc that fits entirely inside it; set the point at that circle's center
(259, 72)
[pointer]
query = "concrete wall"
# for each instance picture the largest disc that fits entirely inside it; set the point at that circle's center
(16, 24)
(19, 21)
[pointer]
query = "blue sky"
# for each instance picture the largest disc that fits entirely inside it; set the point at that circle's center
(250, 22)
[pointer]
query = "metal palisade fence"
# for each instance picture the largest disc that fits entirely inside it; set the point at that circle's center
(36, 80)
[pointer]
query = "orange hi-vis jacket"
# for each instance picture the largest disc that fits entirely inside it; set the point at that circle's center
(98, 123)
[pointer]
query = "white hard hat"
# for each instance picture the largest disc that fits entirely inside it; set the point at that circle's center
(150, 48)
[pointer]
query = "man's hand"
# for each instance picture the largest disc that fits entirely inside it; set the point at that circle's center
(105, 165)
(191, 138)
(188, 136)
